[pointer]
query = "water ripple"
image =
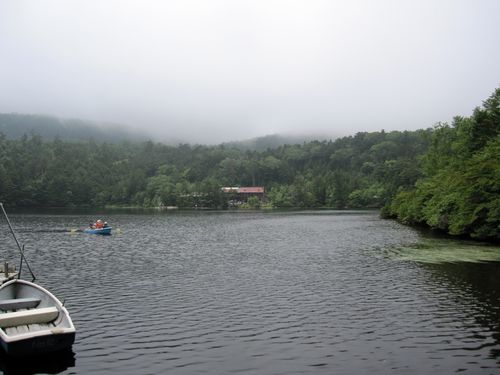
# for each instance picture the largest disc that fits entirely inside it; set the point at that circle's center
(278, 293)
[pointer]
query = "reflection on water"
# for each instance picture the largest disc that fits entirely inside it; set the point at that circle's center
(475, 288)
(45, 364)
(268, 293)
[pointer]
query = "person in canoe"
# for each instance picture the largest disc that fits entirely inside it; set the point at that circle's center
(98, 225)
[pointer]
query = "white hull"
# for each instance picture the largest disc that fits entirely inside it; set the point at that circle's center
(32, 320)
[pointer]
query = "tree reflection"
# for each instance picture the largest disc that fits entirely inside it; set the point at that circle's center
(52, 363)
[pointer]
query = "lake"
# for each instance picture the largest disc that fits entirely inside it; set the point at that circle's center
(306, 292)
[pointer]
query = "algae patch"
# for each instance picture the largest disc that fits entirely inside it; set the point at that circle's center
(438, 251)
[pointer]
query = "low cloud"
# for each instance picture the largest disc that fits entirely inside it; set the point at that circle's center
(223, 70)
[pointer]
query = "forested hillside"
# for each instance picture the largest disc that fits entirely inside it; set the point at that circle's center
(460, 188)
(447, 177)
(365, 170)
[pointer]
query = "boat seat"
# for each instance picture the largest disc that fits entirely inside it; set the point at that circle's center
(19, 303)
(33, 316)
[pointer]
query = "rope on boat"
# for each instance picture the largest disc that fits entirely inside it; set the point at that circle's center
(21, 249)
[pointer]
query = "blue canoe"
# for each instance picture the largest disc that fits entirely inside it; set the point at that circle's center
(106, 230)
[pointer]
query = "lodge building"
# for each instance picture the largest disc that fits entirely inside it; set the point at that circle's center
(241, 194)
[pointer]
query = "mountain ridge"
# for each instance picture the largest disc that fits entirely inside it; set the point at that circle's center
(16, 125)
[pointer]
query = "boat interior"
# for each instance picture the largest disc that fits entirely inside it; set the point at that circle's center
(26, 309)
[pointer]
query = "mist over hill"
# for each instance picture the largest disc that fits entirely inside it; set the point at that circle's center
(14, 126)
(273, 141)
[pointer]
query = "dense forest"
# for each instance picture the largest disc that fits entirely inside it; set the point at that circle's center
(365, 170)
(447, 177)
(360, 171)
(459, 191)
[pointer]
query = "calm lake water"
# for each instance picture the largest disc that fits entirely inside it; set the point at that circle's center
(316, 292)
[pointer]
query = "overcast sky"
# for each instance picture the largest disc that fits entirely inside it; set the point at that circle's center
(212, 70)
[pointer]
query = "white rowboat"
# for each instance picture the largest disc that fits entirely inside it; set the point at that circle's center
(32, 320)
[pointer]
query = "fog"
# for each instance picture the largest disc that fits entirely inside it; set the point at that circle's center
(214, 71)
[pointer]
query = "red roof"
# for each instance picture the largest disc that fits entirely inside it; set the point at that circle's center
(253, 189)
